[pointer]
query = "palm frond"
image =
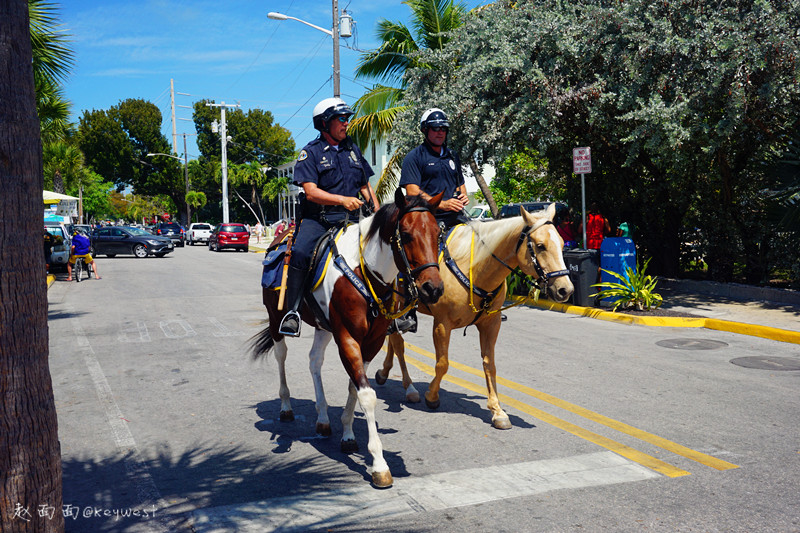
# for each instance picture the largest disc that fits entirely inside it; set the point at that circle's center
(432, 20)
(52, 58)
(390, 178)
(393, 57)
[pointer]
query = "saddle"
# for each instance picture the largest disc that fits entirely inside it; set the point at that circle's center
(273, 259)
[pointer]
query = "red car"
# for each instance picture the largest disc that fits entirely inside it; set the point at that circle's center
(230, 235)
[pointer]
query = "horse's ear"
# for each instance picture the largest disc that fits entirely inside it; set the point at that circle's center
(550, 213)
(435, 201)
(399, 198)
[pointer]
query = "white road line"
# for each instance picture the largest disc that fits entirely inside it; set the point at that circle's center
(418, 495)
(137, 470)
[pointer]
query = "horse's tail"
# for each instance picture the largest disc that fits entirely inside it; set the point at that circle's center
(261, 343)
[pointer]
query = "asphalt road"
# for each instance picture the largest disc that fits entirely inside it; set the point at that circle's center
(164, 417)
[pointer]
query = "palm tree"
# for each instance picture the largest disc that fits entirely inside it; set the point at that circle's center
(30, 457)
(63, 165)
(431, 21)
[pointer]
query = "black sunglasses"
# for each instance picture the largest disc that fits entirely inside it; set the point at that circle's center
(439, 128)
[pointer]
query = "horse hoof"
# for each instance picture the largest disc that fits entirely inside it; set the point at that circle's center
(287, 416)
(432, 405)
(349, 446)
(502, 423)
(413, 397)
(382, 480)
(379, 379)
(324, 429)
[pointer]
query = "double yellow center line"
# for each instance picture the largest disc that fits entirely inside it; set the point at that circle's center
(616, 447)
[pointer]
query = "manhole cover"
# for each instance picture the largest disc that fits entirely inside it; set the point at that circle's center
(767, 363)
(691, 344)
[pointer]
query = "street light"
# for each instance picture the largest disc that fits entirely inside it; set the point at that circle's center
(185, 174)
(333, 33)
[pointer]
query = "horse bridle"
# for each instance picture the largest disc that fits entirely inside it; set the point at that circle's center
(399, 248)
(542, 277)
(409, 275)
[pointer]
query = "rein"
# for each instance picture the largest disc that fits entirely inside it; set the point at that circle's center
(542, 277)
(409, 274)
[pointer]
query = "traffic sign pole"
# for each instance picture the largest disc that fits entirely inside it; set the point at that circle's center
(582, 164)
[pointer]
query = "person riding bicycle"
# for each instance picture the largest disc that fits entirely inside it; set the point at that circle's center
(81, 245)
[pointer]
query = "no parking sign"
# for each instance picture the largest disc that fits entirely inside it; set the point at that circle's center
(582, 160)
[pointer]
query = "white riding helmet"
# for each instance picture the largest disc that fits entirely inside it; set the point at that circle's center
(433, 117)
(327, 109)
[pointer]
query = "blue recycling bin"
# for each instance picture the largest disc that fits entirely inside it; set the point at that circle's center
(617, 254)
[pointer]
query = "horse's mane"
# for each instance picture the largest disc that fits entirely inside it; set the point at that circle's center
(383, 222)
(494, 233)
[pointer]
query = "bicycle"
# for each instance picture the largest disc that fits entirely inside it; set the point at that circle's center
(80, 268)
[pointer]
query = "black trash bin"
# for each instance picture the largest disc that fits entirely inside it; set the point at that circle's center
(582, 265)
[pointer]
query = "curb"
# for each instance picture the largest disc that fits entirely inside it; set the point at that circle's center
(50, 279)
(740, 328)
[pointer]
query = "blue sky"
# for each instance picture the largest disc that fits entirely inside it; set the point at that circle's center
(226, 51)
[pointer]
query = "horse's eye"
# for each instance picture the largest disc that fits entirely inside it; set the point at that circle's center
(405, 238)
(540, 247)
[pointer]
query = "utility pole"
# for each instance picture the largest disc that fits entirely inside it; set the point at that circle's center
(186, 181)
(172, 105)
(335, 35)
(223, 133)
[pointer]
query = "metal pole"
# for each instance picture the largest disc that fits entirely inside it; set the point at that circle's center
(583, 207)
(224, 138)
(336, 91)
(186, 180)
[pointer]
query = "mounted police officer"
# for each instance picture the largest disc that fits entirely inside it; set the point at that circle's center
(429, 169)
(332, 172)
(432, 167)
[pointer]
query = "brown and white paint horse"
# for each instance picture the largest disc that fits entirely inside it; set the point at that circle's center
(485, 252)
(402, 237)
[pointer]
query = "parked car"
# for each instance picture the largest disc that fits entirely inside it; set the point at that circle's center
(173, 230)
(86, 229)
(231, 235)
(60, 251)
(512, 210)
(480, 212)
(199, 232)
(114, 240)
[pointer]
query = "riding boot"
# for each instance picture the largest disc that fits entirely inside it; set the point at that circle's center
(295, 287)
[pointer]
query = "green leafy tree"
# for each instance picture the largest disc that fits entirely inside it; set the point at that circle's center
(257, 142)
(430, 26)
(197, 200)
(115, 144)
(680, 104)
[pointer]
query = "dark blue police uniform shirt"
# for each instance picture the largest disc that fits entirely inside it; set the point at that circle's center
(343, 171)
(433, 173)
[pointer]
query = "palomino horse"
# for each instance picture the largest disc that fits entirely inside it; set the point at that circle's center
(484, 254)
(356, 300)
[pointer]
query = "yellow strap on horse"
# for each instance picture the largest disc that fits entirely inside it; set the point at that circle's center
(471, 286)
(384, 312)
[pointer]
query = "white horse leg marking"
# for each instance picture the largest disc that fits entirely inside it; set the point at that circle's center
(283, 392)
(380, 470)
(316, 357)
(348, 437)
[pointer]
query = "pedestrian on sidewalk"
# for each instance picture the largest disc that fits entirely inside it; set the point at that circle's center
(259, 230)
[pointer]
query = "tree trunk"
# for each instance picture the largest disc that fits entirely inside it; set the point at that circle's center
(487, 192)
(30, 459)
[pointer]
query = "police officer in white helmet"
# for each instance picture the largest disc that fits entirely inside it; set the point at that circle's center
(332, 172)
(432, 167)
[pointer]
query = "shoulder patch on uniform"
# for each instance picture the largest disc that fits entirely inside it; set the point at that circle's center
(452, 165)
(303, 155)
(353, 156)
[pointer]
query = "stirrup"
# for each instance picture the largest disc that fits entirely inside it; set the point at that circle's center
(290, 325)
(406, 323)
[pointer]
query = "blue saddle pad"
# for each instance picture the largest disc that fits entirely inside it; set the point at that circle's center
(273, 266)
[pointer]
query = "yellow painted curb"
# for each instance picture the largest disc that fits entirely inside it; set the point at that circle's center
(754, 330)
(50, 279)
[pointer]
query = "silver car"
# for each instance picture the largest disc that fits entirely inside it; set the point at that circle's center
(60, 254)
